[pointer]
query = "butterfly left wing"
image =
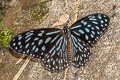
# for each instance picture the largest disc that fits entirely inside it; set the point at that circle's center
(90, 28)
(81, 52)
(47, 44)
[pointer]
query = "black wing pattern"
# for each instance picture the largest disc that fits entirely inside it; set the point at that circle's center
(81, 52)
(47, 44)
(90, 28)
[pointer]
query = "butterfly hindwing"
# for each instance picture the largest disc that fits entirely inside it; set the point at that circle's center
(90, 28)
(81, 52)
(46, 44)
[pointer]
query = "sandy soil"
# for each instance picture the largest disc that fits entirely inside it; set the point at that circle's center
(104, 63)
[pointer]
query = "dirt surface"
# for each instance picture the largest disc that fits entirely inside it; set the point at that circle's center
(104, 63)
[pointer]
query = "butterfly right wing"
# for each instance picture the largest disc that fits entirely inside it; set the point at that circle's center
(90, 28)
(47, 44)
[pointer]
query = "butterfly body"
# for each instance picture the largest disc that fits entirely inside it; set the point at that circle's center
(58, 48)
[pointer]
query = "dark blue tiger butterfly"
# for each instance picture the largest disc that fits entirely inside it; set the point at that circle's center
(58, 48)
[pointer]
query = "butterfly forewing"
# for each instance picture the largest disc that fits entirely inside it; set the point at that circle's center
(47, 44)
(80, 51)
(90, 28)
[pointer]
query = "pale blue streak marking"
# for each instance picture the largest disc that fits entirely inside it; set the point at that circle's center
(99, 16)
(27, 45)
(81, 31)
(102, 21)
(42, 54)
(47, 40)
(56, 59)
(76, 33)
(28, 51)
(39, 42)
(52, 49)
(20, 46)
(98, 32)
(33, 47)
(59, 45)
(41, 33)
(43, 48)
(59, 40)
(36, 39)
(80, 49)
(74, 38)
(74, 41)
(53, 62)
(61, 61)
(27, 39)
(51, 59)
(19, 37)
(19, 43)
(63, 46)
(16, 47)
(93, 32)
(89, 25)
(87, 30)
(92, 36)
(80, 45)
(29, 35)
(33, 43)
(54, 32)
(94, 22)
(53, 53)
(80, 58)
(56, 67)
(97, 27)
(92, 19)
(84, 23)
(54, 39)
(86, 37)
(84, 55)
(36, 50)
(74, 27)
(48, 60)
(92, 28)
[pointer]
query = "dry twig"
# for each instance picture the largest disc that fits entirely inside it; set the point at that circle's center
(21, 69)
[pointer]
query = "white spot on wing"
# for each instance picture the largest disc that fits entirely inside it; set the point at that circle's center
(81, 31)
(86, 37)
(87, 30)
(43, 48)
(39, 42)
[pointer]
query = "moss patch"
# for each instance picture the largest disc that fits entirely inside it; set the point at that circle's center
(5, 36)
(38, 13)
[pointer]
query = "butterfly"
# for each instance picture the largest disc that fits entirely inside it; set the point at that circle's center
(59, 48)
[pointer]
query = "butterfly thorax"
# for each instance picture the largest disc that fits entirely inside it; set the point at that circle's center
(66, 32)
